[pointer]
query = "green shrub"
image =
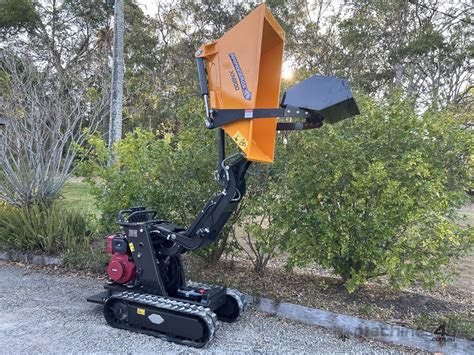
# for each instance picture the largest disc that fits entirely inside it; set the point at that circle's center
(90, 258)
(374, 195)
(48, 228)
(260, 218)
(377, 195)
(458, 325)
(154, 169)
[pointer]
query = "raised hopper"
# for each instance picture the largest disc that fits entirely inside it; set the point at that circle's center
(243, 72)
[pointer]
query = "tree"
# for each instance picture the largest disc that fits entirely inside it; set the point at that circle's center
(422, 46)
(115, 121)
(47, 121)
(63, 35)
(414, 45)
(161, 76)
(17, 15)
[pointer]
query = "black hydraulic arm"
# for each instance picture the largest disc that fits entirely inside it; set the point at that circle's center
(216, 212)
(220, 148)
(202, 76)
(204, 89)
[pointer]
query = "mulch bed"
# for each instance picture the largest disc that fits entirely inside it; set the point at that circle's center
(374, 301)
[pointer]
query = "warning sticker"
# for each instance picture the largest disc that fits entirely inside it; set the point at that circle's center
(132, 247)
(141, 311)
(240, 140)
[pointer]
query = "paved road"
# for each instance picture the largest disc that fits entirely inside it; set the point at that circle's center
(48, 314)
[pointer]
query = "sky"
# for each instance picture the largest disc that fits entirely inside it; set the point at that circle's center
(149, 6)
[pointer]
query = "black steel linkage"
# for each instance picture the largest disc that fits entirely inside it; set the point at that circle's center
(220, 149)
(202, 76)
(222, 117)
(298, 126)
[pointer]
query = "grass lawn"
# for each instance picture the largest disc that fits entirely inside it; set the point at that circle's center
(77, 194)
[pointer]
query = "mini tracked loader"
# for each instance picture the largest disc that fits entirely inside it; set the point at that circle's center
(239, 77)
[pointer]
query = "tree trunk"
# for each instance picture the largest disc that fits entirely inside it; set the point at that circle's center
(115, 124)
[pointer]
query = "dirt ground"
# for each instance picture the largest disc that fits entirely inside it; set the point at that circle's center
(465, 279)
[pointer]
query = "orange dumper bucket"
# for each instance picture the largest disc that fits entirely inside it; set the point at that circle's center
(243, 72)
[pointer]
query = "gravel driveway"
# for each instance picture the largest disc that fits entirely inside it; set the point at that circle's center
(49, 314)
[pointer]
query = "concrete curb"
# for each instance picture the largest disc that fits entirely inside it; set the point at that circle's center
(345, 324)
(30, 258)
(349, 325)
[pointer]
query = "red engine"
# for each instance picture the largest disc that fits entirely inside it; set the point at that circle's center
(121, 267)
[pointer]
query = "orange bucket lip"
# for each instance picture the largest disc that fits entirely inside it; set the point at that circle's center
(244, 71)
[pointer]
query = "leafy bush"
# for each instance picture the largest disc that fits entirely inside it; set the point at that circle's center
(262, 235)
(377, 195)
(261, 219)
(48, 228)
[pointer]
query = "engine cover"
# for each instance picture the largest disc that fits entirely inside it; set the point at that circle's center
(120, 269)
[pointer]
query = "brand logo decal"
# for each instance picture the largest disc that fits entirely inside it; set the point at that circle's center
(156, 318)
(243, 84)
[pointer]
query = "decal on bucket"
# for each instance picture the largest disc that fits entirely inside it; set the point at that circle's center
(240, 140)
(245, 91)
